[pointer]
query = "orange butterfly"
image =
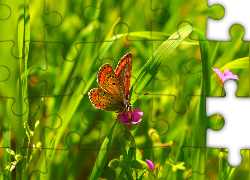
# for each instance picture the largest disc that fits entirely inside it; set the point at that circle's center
(114, 92)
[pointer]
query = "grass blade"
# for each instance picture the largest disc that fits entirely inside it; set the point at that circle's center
(201, 121)
(102, 155)
(23, 36)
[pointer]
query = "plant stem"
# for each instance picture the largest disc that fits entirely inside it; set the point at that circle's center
(222, 91)
(134, 146)
(27, 155)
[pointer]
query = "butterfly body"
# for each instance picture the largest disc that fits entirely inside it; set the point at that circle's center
(114, 92)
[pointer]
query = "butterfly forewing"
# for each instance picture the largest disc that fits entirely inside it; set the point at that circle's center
(103, 100)
(123, 73)
(107, 79)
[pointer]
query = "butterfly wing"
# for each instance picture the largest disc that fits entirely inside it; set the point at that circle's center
(104, 101)
(123, 73)
(107, 80)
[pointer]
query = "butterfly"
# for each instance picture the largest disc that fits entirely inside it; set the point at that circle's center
(114, 92)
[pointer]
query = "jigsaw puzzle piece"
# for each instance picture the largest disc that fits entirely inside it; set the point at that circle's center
(192, 163)
(175, 79)
(36, 16)
(11, 69)
(234, 56)
(40, 18)
(17, 28)
(191, 131)
(7, 20)
(5, 12)
(157, 155)
(50, 75)
(219, 139)
(50, 160)
(11, 17)
(186, 13)
(230, 19)
(53, 113)
(217, 167)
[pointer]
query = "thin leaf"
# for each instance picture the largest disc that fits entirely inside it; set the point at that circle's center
(102, 155)
(201, 121)
(124, 154)
(153, 65)
(242, 63)
(128, 176)
(131, 152)
(23, 35)
(128, 173)
(142, 174)
(47, 160)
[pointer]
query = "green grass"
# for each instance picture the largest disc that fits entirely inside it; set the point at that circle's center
(173, 68)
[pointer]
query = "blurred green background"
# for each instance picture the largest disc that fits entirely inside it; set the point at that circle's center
(53, 50)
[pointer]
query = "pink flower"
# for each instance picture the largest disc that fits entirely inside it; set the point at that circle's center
(131, 119)
(226, 75)
(150, 164)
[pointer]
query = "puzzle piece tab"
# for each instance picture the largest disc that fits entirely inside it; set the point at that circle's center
(230, 108)
(231, 18)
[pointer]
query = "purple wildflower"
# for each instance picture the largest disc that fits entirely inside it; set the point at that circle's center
(129, 119)
(150, 164)
(226, 75)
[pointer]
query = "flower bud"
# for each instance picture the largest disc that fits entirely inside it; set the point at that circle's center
(10, 166)
(18, 157)
(153, 134)
(29, 133)
(10, 151)
(126, 135)
(150, 164)
(13, 166)
(113, 164)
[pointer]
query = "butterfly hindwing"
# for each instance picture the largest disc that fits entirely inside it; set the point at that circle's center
(104, 101)
(123, 73)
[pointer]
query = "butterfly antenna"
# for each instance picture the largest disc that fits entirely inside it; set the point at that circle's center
(140, 95)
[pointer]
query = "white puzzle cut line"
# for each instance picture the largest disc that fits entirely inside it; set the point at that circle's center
(236, 12)
(235, 134)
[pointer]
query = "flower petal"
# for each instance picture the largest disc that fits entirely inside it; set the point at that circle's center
(136, 115)
(226, 73)
(229, 75)
(123, 117)
(218, 72)
(137, 121)
(150, 164)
